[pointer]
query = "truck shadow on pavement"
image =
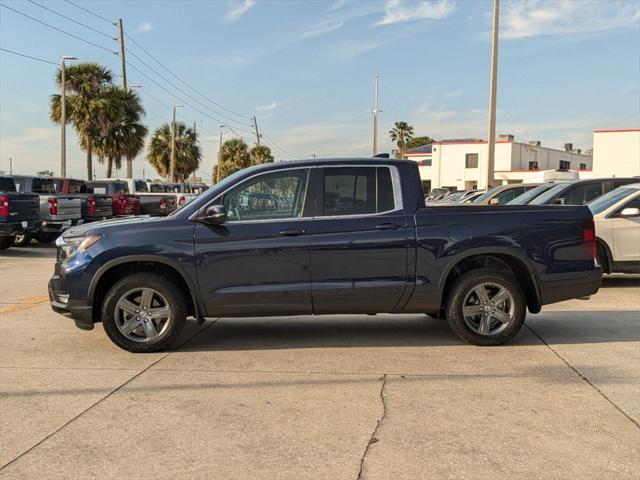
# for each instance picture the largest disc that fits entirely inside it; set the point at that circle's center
(348, 331)
(34, 250)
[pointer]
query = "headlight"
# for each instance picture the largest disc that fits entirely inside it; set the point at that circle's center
(69, 247)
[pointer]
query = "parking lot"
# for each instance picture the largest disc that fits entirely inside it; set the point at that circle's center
(384, 397)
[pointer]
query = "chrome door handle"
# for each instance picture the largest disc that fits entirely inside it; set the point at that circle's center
(387, 226)
(293, 232)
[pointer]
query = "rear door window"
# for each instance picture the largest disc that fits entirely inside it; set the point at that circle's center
(582, 194)
(357, 191)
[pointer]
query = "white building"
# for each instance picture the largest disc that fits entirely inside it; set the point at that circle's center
(462, 163)
(616, 153)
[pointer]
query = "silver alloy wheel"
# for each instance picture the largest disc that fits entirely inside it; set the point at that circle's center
(488, 308)
(143, 315)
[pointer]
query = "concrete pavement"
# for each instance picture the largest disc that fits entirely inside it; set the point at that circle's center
(385, 397)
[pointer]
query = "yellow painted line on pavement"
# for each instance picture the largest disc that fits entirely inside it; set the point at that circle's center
(24, 304)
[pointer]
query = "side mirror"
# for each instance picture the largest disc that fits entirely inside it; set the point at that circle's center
(558, 201)
(494, 201)
(214, 215)
(630, 212)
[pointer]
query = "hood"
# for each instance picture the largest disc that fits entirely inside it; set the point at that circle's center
(102, 226)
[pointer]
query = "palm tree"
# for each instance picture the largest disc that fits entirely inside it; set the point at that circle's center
(260, 154)
(86, 103)
(234, 156)
(188, 153)
(401, 133)
(123, 135)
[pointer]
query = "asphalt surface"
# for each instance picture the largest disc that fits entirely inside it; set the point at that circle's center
(336, 397)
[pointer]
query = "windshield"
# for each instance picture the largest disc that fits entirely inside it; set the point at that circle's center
(549, 194)
(602, 203)
(526, 197)
(486, 195)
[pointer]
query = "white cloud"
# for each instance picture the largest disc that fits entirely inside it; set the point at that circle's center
(528, 18)
(322, 29)
(453, 94)
(397, 11)
(237, 9)
(143, 27)
(337, 4)
(268, 108)
(348, 50)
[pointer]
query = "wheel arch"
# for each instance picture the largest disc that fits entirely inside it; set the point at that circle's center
(600, 243)
(112, 271)
(512, 261)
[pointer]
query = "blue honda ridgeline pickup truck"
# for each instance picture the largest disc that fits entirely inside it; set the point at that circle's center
(323, 237)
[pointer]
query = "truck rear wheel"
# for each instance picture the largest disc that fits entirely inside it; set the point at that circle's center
(5, 242)
(143, 312)
(486, 307)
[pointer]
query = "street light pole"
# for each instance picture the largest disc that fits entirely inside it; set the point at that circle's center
(491, 141)
(63, 115)
(172, 165)
(375, 117)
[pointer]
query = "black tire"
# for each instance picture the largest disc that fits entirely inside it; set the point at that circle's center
(46, 237)
(5, 242)
(22, 239)
(463, 289)
(164, 286)
(602, 258)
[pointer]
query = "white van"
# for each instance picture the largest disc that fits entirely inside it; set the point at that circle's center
(544, 176)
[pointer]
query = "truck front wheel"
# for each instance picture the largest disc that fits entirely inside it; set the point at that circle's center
(143, 312)
(486, 307)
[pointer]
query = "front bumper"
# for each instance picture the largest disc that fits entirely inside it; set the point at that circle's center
(570, 288)
(79, 310)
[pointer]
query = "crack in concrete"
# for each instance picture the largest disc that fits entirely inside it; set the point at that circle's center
(102, 399)
(373, 439)
(583, 377)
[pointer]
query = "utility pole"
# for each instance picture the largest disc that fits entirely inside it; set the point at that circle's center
(63, 117)
(195, 136)
(375, 112)
(123, 62)
(255, 125)
(172, 164)
(491, 141)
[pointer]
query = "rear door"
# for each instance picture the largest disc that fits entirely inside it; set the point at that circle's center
(626, 234)
(359, 242)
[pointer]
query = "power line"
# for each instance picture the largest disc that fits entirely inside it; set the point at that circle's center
(71, 19)
(90, 12)
(28, 56)
(173, 94)
(276, 145)
(182, 81)
(57, 29)
(229, 119)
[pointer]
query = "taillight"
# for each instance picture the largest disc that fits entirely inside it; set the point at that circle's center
(91, 205)
(589, 237)
(53, 206)
(163, 204)
(4, 206)
(182, 201)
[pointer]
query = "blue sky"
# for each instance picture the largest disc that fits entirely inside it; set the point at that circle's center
(306, 69)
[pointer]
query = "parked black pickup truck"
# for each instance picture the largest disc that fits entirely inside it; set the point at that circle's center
(323, 237)
(19, 212)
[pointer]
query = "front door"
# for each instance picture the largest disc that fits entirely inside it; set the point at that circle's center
(257, 263)
(359, 242)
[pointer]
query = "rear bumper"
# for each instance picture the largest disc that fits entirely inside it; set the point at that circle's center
(79, 310)
(567, 289)
(8, 229)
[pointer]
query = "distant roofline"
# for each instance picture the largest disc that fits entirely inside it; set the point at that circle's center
(618, 131)
(481, 142)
